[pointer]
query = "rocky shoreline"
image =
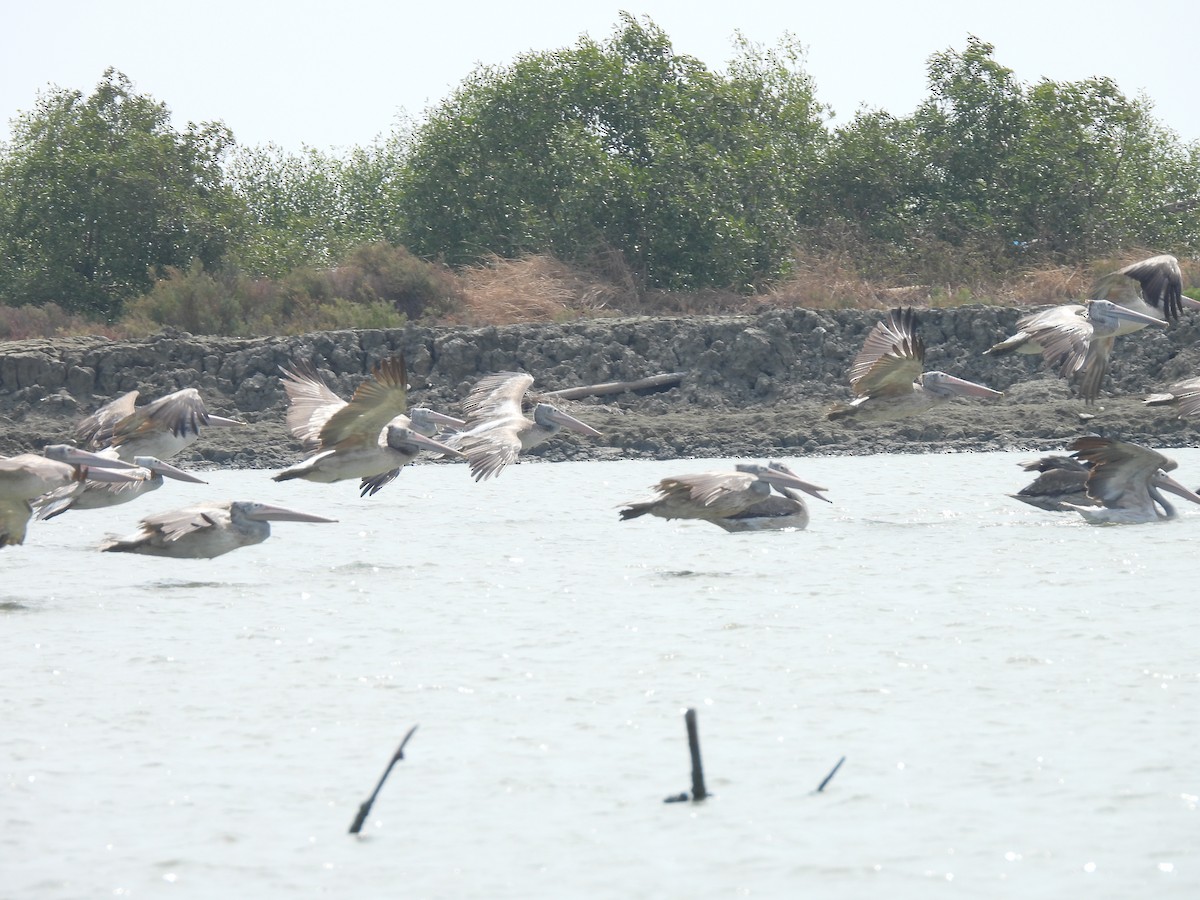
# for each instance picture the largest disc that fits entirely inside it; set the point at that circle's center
(753, 386)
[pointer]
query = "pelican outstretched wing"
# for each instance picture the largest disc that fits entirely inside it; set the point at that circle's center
(311, 404)
(1118, 468)
(378, 400)
(891, 358)
(181, 414)
(496, 396)
(96, 431)
(1157, 280)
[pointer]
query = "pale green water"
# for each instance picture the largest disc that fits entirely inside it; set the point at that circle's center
(1017, 695)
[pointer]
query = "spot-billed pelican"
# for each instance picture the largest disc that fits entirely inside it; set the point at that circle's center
(148, 476)
(366, 437)
(1061, 484)
(497, 430)
(1125, 481)
(27, 476)
(777, 512)
(206, 529)
(1183, 395)
(720, 496)
(1077, 341)
(888, 377)
(161, 429)
(1153, 287)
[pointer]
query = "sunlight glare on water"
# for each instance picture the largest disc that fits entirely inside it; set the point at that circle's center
(1015, 693)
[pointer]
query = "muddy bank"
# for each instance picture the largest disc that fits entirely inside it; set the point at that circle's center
(754, 385)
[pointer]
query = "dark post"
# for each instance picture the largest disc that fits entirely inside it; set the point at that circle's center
(698, 791)
(364, 810)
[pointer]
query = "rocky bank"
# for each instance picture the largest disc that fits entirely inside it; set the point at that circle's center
(756, 386)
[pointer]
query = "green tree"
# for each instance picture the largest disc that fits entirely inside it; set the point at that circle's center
(99, 193)
(695, 178)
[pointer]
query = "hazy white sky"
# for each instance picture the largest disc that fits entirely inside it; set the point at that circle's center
(336, 75)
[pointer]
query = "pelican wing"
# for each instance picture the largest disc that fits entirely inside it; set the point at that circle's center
(1065, 335)
(1120, 470)
(496, 396)
(706, 488)
(488, 451)
(96, 431)
(1094, 367)
(311, 404)
(14, 520)
(891, 359)
(378, 400)
(177, 523)
(1156, 280)
(181, 414)
(1188, 394)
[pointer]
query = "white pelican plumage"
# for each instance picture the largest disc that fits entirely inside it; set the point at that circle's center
(206, 530)
(1077, 341)
(27, 476)
(1183, 395)
(365, 437)
(720, 496)
(888, 377)
(161, 429)
(1125, 481)
(497, 431)
(1153, 287)
(149, 475)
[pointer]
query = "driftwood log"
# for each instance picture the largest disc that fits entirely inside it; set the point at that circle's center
(657, 382)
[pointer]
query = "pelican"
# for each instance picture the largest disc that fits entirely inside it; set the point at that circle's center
(777, 512)
(497, 430)
(1063, 481)
(149, 475)
(26, 476)
(365, 438)
(887, 376)
(206, 530)
(1183, 395)
(1153, 287)
(720, 496)
(161, 429)
(1077, 341)
(1124, 481)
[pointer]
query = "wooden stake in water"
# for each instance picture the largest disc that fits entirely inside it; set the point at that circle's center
(699, 792)
(829, 777)
(365, 809)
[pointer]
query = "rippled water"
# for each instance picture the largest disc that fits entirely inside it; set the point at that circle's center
(1016, 693)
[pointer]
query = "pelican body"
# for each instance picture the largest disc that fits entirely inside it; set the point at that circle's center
(367, 437)
(161, 429)
(1126, 481)
(206, 530)
(722, 496)
(888, 377)
(1183, 395)
(27, 476)
(497, 431)
(783, 511)
(149, 475)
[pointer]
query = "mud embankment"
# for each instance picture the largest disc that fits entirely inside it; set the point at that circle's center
(754, 385)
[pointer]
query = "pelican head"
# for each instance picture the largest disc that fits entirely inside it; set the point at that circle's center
(158, 467)
(549, 416)
(1162, 480)
(406, 440)
(264, 512)
(942, 385)
(1105, 312)
(427, 420)
(73, 456)
(780, 476)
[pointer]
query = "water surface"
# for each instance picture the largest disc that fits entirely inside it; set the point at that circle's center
(1017, 695)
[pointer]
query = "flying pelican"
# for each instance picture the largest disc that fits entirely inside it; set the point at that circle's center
(1125, 479)
(720, 496)
(777, 512)
(206, 529)
(1063, 481)
(149, 476)
(161, 429)
(497, 430)
(1184, 395)
(367, 437)
(1153, 287)
(1077, 341)
(26, 476)
(888, 377)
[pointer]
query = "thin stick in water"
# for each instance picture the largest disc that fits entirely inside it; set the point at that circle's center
(365, 809)
(829, 777)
